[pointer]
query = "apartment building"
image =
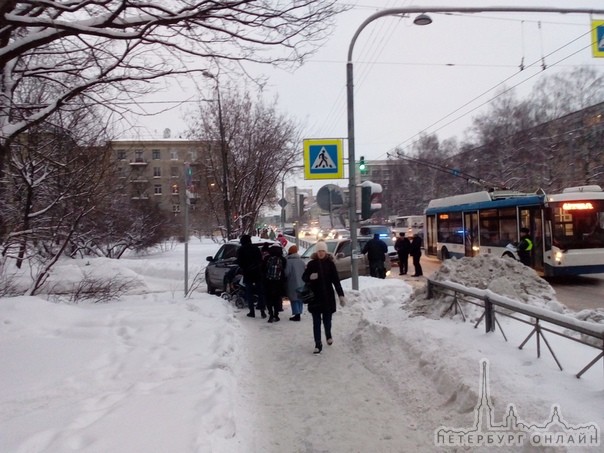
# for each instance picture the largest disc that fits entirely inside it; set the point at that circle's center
(155, 169)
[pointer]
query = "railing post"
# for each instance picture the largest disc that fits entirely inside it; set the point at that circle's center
(489, 315)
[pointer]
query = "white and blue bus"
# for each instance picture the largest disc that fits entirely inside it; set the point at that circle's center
(567, 228)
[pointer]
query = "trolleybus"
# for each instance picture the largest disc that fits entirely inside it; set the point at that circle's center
(567, 228)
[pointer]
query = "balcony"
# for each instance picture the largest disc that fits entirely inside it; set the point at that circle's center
(139, 179)
(139, 161)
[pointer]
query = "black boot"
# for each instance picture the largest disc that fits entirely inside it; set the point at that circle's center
(295, 318)
(251, 314)
(263, 314)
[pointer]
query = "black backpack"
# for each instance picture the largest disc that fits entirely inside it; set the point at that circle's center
(274, 268)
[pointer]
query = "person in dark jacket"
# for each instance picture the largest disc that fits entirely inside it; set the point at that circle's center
(274, 284)
(322, 276)
(402, 247)
(525, 247)
(249, 260)
(416, 253)
(376, 251)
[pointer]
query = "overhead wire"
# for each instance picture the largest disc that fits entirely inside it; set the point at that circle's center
(499, 84)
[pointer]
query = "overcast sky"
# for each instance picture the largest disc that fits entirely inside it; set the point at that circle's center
(410, 79)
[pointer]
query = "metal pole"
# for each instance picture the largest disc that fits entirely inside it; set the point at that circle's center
(186, 235)
(350, 93)
(352, 185)
(283, 198)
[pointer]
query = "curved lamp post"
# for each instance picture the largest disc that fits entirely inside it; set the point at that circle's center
(422, 19)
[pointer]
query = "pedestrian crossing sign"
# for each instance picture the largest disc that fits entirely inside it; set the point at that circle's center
(597, 30)
(323, 159)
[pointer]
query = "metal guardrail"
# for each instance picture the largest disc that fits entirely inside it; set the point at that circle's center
(299, 242)
(537, 317)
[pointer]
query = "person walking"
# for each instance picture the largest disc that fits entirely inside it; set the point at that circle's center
(376, 251)
(322, 276)
(274, 277)
(402, 247)
(293, 280)
(525, 247)
(249, 259)
(416, 252)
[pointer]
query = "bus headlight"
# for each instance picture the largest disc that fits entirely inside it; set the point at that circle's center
(558, 257)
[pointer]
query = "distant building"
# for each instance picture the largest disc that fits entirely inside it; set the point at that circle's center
(154, 169)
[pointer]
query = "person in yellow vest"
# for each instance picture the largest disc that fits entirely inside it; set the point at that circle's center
(525, 247)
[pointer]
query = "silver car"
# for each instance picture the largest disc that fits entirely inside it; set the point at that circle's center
(341, 250)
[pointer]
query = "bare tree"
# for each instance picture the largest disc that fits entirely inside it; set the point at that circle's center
(81, 52)
(260, 143)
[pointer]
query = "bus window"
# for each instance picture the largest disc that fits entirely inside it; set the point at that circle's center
(489, 227)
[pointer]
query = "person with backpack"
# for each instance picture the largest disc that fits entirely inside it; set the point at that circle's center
(274, 278)
(322, 276)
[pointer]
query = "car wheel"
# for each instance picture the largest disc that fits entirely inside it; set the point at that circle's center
(445, 254)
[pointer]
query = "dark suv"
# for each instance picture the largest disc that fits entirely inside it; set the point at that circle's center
(224, 260)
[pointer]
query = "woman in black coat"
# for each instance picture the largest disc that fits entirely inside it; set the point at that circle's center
(322, 276)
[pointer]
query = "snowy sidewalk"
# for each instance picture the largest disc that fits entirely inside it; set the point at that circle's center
(343, 400)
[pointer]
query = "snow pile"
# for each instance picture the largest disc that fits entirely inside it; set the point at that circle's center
(503, 276)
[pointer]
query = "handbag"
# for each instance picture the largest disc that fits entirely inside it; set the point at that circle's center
(305, 294)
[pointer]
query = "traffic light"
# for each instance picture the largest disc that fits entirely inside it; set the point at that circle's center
(362, 165)
(371, 194)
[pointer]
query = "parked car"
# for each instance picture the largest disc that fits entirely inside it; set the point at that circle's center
(341, 250)
(224, 260)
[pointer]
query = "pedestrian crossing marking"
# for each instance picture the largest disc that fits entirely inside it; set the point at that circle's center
(323, 159)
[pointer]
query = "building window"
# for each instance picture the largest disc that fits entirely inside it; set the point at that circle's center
(157, 189)
(174, 172)
(156, 153)
(156, 172)
(121, 154)
(175, 189)
(138, 156)
(174, 155)
(175, 208)
(192, 156)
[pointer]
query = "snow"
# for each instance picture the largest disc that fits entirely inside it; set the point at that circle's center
(157, 372)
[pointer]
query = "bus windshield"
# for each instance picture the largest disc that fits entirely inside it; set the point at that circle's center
(578, 224)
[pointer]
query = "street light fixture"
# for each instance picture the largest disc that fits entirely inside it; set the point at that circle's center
(422, 19)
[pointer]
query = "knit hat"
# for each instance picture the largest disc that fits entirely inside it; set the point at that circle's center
(293, 249)
(320, 246)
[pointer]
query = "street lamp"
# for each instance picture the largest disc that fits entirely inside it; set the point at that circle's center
(422, 19)
(224, 157)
